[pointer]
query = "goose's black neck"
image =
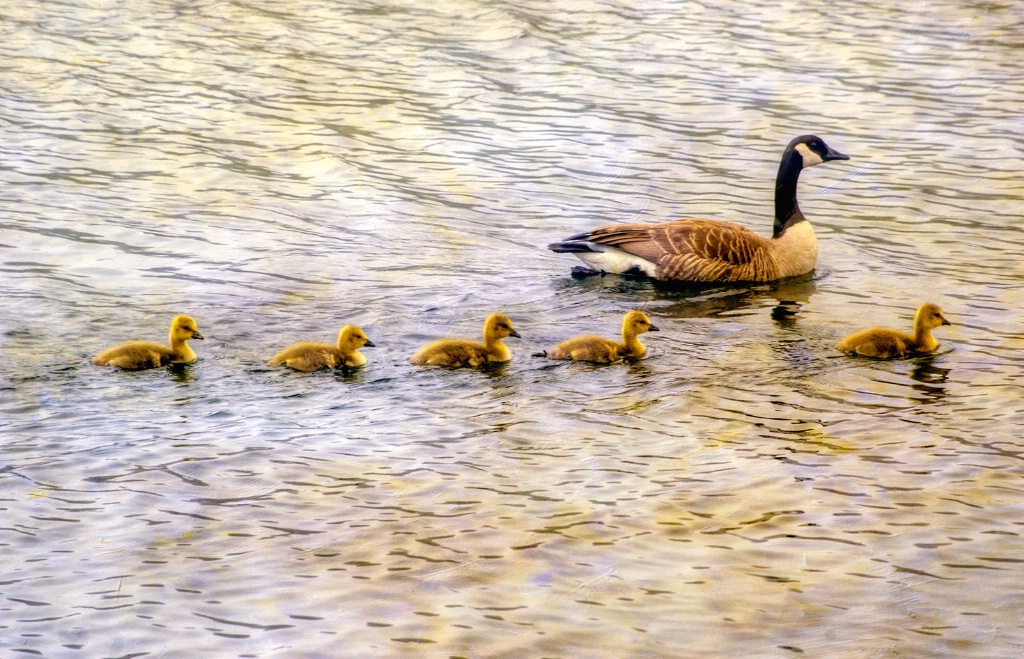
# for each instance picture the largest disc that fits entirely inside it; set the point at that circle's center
(787, 212)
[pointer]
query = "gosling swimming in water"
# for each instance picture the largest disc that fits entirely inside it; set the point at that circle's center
(599, 349)
(308, 356)
(460, 352)
(888, 344)
(138, 355)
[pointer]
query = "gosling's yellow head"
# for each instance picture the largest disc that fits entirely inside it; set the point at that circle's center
(930, 316)
(352, 338)
(638, 323)
(184, 328)
(499, 326)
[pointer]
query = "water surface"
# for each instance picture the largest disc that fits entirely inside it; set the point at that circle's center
(277, 170)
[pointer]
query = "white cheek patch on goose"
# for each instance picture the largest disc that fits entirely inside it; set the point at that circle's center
(810, 158)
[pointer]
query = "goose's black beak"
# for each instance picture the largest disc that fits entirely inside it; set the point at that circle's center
(835, 155)
(369, 344)
(514, 333)
(653, 328)
(197, 335)
(946, 322)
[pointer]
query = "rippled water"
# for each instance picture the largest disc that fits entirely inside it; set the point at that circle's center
(279, 169)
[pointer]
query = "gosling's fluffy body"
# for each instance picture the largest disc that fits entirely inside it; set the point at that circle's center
(460, 352)
(599, 349)
(139, 355)
(889, 344)
(308, 356)
(697, 250)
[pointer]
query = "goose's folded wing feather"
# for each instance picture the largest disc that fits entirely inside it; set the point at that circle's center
(684, 247)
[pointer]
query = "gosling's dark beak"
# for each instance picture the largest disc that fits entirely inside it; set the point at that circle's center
(514, 333)
(835, 155)
(653, 328)
(197, 335)
(946, 322)
(369, 344)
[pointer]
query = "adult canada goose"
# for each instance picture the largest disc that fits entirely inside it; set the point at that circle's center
(887, 343)
(459, 352)
(713, 250)
(137, 355)
(308, 356)
(599, 349)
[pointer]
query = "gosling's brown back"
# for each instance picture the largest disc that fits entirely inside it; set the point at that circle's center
(451, 352)
(308, 356)
(135, 356)
(587, 349)
(880, 343)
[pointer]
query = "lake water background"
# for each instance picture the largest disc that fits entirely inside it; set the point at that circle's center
(279, 169)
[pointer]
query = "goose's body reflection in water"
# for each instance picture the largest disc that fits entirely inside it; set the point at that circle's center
(696, 300)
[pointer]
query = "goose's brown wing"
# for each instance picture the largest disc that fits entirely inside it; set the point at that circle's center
(694, 250)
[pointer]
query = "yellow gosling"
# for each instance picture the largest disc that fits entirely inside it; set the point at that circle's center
(138, 355)
(308, 356)
(458, 352)
(599, 349)
(887, 343)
